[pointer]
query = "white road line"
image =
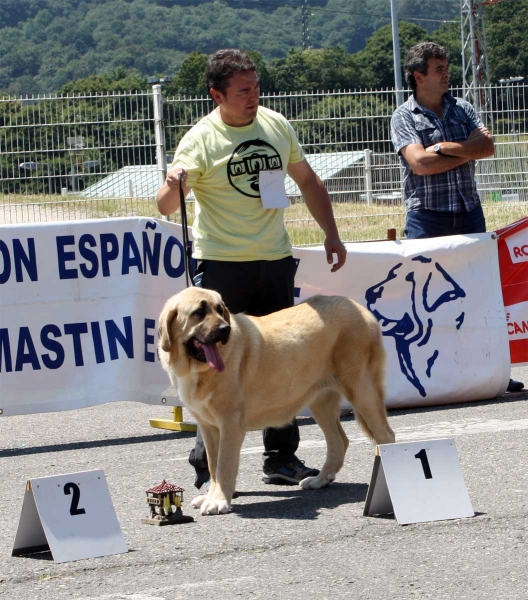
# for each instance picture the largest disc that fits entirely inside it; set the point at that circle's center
(444, 429)
(154, 594)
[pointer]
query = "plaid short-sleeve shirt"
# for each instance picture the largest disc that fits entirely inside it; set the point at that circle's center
(454, 190)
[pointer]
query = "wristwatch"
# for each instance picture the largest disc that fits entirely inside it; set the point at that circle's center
(437, 149)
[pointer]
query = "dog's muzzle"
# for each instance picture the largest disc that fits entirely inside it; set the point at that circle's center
(224, 331)
(205, 350)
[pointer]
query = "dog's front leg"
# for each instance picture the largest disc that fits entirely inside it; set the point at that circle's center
(211, 438)
(218, 500)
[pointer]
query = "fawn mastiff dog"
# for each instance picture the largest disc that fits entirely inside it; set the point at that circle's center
(237, 373)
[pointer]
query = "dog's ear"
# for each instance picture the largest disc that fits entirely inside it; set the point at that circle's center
(440, 288)
(227, 314)
(164, 330)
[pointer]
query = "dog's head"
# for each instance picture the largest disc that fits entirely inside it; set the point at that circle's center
(191, 325)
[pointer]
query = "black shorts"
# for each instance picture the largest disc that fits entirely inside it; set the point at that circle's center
(257, 287)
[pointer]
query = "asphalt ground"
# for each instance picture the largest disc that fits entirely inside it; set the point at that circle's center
(278, 541)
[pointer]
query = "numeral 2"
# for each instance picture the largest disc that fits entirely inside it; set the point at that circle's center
(74, 508)
(422, 455)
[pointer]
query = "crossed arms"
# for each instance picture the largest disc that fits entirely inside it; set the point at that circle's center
(424, 161)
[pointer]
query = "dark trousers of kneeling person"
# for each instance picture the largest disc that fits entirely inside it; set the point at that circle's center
(256, 288)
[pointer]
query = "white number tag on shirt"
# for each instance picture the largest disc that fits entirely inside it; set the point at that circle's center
(272, 190)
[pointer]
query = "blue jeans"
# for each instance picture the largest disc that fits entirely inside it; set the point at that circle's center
(434, 223)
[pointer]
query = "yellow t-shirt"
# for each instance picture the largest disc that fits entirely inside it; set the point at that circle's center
(223, 163)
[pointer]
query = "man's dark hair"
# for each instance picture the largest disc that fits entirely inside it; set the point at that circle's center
(418, 57)
(223, 64)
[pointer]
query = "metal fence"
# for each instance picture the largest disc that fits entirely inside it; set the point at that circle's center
(95, 156)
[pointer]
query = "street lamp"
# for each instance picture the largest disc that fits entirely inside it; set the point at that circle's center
(76, 144)
(86, 164)
(91, 164)
(34, 166)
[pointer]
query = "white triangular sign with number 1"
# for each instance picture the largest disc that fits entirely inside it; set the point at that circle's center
(418, 482)
(71, 515)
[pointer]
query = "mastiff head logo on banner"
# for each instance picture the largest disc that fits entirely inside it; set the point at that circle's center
(411, 321)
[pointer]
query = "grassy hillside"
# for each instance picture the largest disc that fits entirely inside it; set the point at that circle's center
(45, 44)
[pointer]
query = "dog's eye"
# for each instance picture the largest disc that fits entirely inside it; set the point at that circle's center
(200, 312)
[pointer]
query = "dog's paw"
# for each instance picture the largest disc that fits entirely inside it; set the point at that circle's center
(215, 506)
(198, 501)
(315, 483)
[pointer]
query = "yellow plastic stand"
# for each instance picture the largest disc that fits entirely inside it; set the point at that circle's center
(177, 423)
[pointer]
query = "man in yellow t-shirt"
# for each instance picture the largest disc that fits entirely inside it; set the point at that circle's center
(243, 247)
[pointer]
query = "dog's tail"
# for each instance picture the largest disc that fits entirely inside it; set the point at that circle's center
(377, 363)
(373, 388)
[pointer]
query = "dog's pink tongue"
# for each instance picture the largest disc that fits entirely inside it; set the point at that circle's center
(214, 360)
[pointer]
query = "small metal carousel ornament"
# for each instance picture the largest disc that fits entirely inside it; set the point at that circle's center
(165, 502)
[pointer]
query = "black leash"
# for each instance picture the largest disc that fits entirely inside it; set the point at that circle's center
(187, 247)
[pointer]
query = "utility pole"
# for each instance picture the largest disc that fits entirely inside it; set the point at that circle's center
(475, 68)
(396, 54)
(304, 18)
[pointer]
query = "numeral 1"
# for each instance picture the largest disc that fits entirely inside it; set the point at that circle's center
(422, 455)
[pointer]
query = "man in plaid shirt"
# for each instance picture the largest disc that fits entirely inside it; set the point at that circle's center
(438, 138)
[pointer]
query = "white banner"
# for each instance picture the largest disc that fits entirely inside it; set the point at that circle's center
(439, 303)
(79, 307)
(79, 303)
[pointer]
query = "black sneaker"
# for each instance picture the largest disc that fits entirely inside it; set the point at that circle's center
(290, 473)
(515, 386)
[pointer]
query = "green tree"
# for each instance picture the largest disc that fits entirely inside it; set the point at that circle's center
(346, 23)
(377, 62)
(448, 35)
(45, 44)
(290, 73)
(310, 70)
(506, 26)
(118, 80)
(190, 78)
(265, 76)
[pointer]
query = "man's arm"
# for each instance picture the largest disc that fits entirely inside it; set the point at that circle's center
(422, 161)
(426, 162)
(318, 203)
(479, 144)
(168, 196)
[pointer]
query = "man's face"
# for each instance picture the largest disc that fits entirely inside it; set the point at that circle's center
(437, 78)
(239, 104)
